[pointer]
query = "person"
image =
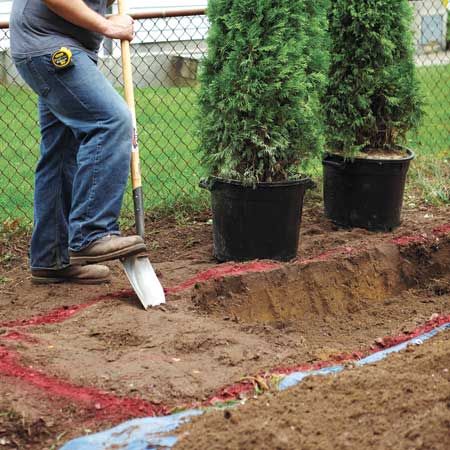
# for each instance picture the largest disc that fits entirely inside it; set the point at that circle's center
(86, 135)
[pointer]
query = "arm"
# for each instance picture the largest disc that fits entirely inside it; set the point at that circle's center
(78, 13)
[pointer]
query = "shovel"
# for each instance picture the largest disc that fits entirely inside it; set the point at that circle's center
(138, 269)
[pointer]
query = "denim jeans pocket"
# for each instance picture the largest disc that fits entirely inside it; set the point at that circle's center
(30, 71)
(40, 78)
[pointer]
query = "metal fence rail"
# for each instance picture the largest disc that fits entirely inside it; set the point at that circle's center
(166, 55)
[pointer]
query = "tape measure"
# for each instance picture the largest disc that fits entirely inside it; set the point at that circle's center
(62, 58)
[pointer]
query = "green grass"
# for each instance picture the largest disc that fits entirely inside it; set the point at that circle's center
(430, 173)
(168, 145)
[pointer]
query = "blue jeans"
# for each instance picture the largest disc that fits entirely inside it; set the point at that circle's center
(82, 172)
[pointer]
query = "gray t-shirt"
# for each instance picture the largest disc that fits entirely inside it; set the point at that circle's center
(36, 30)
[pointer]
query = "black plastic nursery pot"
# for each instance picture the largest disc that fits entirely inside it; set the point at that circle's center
(261, 222)
(365, 193)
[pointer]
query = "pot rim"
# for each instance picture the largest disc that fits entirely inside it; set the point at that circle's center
(275, 184)
(410, 157)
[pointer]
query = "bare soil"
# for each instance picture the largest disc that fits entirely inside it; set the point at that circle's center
(402, 403)
(374, 153)
(77, 358)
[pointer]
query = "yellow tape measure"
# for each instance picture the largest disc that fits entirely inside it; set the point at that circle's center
(62, 58)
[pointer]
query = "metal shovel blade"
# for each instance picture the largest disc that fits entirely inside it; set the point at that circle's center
(144, 281)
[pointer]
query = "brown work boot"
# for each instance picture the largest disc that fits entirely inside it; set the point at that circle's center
(94, 274)
(108, 248)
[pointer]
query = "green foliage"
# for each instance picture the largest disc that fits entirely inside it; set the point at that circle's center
(372, 99)
(259, 100)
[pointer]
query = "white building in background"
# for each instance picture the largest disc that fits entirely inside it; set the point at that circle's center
(181, 30)
(148, 31)
(169, 49)
(5, 8)
(134, 5)
(430, 24)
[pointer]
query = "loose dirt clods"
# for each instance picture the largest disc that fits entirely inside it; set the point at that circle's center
(401, 403)
(88, 357)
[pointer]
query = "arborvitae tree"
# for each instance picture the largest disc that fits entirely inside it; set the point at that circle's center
(372, 99)
(260, 84)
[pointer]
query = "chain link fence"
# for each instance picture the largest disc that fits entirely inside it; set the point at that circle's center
(167, 52)
(165, 56)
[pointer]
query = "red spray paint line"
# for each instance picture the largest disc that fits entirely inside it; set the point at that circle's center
(61, 314)
(389, 342)
(325, 256)
(64, 313)
(229, 393)
(402, 241)
(237, 390)
(116, 409)
(54, 316)
(224, 271)
(442, 230)
(381, 344)
(103, 404)
(19, 337)
(260, 266)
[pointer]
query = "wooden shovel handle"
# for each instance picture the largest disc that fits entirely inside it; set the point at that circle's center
(129, 98)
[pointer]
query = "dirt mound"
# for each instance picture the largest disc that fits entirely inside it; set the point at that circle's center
(340, 285)
(89, 357)
(402, 403)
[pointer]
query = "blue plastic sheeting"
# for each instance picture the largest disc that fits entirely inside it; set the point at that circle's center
(152, 433)
(296, 377)
(138, 434)
(375, 357)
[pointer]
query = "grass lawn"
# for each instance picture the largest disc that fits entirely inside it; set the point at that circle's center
(169, 147)
(170, 165)
(430, 173)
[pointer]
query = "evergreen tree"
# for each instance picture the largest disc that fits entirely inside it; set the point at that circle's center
(372, 99)
(260, 85)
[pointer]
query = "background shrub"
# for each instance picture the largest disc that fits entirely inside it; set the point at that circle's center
(372, 99)
(260, 86)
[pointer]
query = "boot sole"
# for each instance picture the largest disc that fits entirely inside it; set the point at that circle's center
(48, 280)
(118, 254)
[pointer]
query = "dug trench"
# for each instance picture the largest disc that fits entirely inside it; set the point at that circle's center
(103, 360)
(328, 288)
